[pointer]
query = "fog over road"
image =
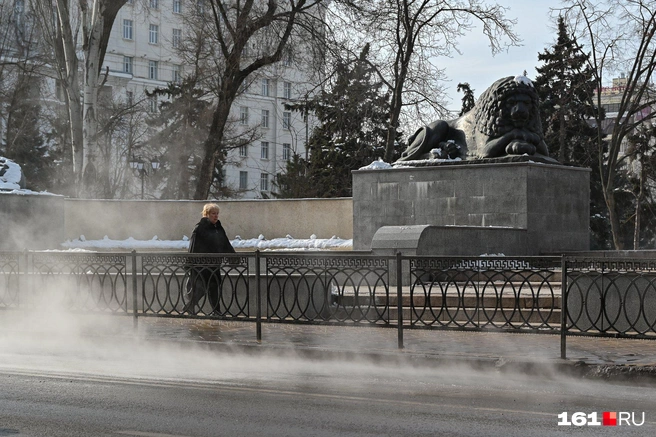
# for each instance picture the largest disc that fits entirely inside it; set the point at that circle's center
(61, 382)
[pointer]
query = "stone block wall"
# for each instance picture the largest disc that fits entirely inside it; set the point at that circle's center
(549, 202)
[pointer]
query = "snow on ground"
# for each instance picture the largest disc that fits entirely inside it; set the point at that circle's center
(261, 243)
(11, 179)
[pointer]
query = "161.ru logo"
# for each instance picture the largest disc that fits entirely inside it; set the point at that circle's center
(608, 418)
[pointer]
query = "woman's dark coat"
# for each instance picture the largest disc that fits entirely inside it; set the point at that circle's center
(206, 238)
(209, 238)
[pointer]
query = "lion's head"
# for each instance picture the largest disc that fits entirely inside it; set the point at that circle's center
(506, 120)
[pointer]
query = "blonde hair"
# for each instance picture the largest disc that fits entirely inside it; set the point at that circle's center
(208, 208)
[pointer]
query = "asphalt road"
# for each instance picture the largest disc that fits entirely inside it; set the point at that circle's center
(172, 392)
(56, 380)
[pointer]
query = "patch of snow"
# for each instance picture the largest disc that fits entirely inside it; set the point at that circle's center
(11, 179)
(522, 79)
(377, 165)
(285, 243)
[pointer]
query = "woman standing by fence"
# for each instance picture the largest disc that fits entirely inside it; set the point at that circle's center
(207, 237)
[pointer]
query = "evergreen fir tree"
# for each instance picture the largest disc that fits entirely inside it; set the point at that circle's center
(182, 124)
(565, 84)
(353, 126)
(468, 100)
(294, 183)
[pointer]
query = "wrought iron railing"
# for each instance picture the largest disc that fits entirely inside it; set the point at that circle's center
(78, 281)
(611, 296)
(566, 295)
(173, 284)
(482, 293)
(10, 283)
(328, 288)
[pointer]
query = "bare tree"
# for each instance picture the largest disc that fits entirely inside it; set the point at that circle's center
(410, 36)
(243, 38)
(123, 131)
(71, 28)
(642, 157)
(621, 37)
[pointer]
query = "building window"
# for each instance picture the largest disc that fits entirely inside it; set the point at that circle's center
(265, 118)
(176, 76)
(127, 29)
(177, 38)
(154, 4)
(222, 178)
(177, 7)
(264, 182)
(286, 151)
(152, 100)
(129, 98)
(243, 151)
(264, 150)
(265, 87)
(127, 64)
(286, 120)
(152, 70)
(153, 34)
(200, 6)
(287, 90)
(287, 58)
(243, 180)
(243, 115)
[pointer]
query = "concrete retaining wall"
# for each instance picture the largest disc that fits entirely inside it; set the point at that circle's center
(44, 221)
(171, 220)
(29, 221)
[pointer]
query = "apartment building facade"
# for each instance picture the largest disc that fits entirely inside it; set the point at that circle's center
(143, 54)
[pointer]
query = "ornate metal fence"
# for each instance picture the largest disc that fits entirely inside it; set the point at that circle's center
(10, 284)
(321, 288)
(580, 296)
(483, 293)
(79, 281)
(208, 285)
(611, 296)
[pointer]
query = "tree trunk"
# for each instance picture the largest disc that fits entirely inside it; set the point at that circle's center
(609, 196)
(210, 147)
(562, 137)
(96, 169)
(395, 113)
(68, 63)
(639, 199)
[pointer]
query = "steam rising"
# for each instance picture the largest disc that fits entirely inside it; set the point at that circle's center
(48, 340)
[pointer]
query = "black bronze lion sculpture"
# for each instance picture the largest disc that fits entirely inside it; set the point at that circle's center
(504, 121)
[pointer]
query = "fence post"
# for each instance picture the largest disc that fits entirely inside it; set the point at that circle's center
(399, 297)
(258, 299)
(23, 284)
(135, 316)
(563, 308)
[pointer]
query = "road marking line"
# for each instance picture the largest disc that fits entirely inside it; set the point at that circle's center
(147, 434)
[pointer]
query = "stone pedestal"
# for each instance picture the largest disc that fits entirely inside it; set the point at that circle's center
(543, 207)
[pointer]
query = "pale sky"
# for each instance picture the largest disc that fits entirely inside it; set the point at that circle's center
(480, 69)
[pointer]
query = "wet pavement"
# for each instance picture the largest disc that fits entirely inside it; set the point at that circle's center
(586, 356)
(589, 356)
